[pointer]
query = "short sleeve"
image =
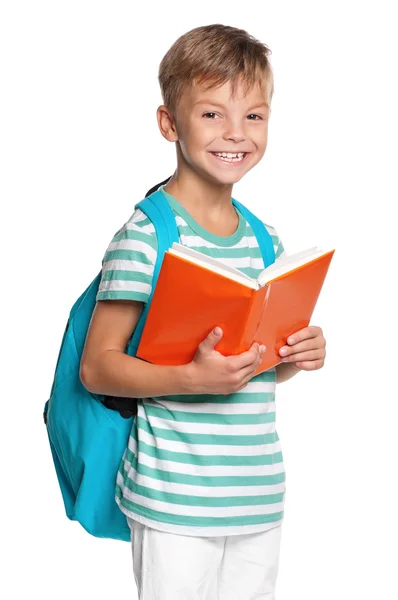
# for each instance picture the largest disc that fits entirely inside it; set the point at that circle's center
(129, 261)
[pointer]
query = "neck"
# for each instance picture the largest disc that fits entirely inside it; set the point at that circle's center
(200, 196)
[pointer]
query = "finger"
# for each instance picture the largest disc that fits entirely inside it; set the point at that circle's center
(212, 339)
(310, 365)
(302, 347)
(303, 356)
(241, 361)
(304, 334)
(246, 380)
(249, 371)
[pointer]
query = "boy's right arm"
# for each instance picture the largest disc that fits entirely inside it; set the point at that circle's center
(106, 369)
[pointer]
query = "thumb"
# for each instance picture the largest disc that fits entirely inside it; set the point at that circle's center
(212, 339)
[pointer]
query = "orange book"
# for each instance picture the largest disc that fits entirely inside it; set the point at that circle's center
(195, 293)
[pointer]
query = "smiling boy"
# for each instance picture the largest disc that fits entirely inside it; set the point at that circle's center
(202, 482)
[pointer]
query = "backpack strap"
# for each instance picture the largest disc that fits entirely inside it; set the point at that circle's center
(160, 213)
(264, 239)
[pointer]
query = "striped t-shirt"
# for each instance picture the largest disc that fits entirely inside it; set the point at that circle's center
(201, 465)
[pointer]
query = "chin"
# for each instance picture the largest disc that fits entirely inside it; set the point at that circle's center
(226, 176)
(231, 180)
(223, 178)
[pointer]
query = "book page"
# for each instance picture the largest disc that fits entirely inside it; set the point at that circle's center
(213, 264)
(288, 258)
(288, 263)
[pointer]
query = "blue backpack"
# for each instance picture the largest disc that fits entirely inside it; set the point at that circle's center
(88, 433)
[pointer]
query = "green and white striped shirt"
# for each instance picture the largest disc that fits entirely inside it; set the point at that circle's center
(204, 465)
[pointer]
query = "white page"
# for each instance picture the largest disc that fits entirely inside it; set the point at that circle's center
(286, 260)
(299, 259)
(291, 257)
(278, 268)
(213, 264)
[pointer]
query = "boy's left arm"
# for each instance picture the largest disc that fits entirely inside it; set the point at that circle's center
(304, 351)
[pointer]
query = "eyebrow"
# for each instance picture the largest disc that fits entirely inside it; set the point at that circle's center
(264, 104)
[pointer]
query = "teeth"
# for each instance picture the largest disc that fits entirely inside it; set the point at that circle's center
(229, 154)
(231, 157)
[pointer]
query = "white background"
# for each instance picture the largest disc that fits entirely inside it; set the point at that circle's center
(80, 146)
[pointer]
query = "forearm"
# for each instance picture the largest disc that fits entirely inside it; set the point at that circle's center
(285, 371)
(115, 373)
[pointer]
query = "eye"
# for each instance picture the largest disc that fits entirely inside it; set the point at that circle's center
(257, 117)
(210, 113)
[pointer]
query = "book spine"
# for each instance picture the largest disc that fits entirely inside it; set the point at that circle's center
(233, 320)
(254, 316)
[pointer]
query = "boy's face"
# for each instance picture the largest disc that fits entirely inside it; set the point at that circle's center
(211, 122)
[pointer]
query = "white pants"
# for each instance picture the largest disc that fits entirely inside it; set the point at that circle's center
(168, 566)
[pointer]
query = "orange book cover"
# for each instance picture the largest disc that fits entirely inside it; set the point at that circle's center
(190, 300)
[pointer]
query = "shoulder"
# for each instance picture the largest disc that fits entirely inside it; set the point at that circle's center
(139, 226)
(136, 238)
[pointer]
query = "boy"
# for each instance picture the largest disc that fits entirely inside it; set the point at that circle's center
(202, 480)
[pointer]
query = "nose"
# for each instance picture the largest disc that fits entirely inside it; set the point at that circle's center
(234, 130)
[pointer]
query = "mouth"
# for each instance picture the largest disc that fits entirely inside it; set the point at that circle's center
(233, 158)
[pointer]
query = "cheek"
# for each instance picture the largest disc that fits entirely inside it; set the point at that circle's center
(190, 148)
(263, 149)
(261, 136)
(203, 133)
(261, 141)
(199, 140)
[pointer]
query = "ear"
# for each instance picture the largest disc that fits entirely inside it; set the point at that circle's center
(166, 124)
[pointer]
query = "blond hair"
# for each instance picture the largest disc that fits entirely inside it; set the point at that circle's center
(211, 55)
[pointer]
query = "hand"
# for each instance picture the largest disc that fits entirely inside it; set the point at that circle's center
(305, 348)
(213, 373)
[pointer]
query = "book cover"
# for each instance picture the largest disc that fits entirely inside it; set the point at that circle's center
(190, 300)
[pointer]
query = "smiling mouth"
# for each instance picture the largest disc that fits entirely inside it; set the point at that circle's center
(230, 157)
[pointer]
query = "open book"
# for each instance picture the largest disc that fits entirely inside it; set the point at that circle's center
(195, 293)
